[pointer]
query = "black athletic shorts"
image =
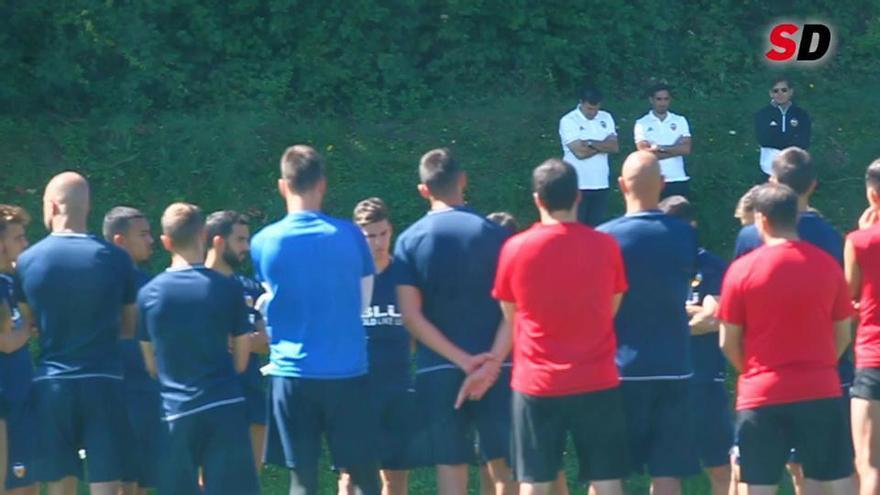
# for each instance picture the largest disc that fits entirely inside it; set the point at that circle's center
(597, 426)
(450, 432)
(866, 384)
(816, 429)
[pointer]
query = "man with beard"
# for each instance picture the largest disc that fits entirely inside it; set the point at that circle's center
(228, 247)
(129, 229)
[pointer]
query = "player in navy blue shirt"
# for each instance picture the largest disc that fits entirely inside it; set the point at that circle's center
(319, 277)
(129, 229)
(80, 292)
(228, 248)
(388, 353)
(16, 368)
(794, 167)
(712, 418)
(446, 266)
(188, 316)
(653, 335)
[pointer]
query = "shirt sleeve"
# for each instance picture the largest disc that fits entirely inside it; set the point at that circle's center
(142, 332)
(129, 280)
(612, 126)
(843, 307)
(639, 133)
(746, 241)
(503, 288)
(568, 131)
(256, 255)
(731, 308)
(685, 128)
(240, 323)
(404, 261)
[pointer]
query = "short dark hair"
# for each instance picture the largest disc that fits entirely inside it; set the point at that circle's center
(221, 223)
(660, 86)
(370, 210)
(504, 219)
(794, 168)
(118, 220)
(10, 214)
(778, 79)
(556, 184)
(182, 222)
(440, 171)
(590, 95)
(679, 207)
(779, 204)
(872, 175)
(302, 168)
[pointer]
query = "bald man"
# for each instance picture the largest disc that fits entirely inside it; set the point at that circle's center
(653, 337)
(79, 290)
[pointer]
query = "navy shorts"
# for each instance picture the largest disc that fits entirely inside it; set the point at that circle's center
(145, 433)
(817, 429)
(659, 425)
(21, 428)
(450, 432)
(845, 399)
(255, 403)
(305, 409)
(713, 423)
(866, 384)
(216, 440)
(401, 446)
(76, 413)
(596, 422)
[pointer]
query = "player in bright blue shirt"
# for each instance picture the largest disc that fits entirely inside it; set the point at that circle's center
(712, 419)
(228, 248)
(319, 276)
(653, 336)
(446, 264)
(16, 367)
(80, 292)
(188, 317)
(129, 229)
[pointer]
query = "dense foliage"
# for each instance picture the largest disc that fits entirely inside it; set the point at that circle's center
(79, 56)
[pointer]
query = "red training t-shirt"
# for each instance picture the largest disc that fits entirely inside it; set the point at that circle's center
(866, 244)
(562, 278)
(786, 298)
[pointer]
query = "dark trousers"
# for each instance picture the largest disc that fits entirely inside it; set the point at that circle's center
(594, 204)
(682, 188)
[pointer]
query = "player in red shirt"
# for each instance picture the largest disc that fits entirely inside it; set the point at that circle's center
(862, 266)
(560, 284)
(785, 315)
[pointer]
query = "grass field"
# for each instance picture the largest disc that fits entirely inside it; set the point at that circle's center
(228, 159)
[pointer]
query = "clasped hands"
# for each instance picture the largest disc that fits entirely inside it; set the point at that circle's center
(482, 371)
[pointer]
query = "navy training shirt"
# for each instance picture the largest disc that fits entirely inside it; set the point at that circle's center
(188, 314)
(653, 335)
(252, 378)
(313, 265)
(76, 286)
(451, 256)
(818, 232)
(135, 371)
(16, 368)
(709, 362)
(388, 342)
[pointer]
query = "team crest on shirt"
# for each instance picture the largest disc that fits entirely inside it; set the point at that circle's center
(603, 124)
(581, 127)
(650, 129)
(19, 470)
(773, 123)
(793, 122)
(673, 126)
(249, 300)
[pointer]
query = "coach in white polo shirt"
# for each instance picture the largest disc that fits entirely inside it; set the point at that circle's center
(668, 136)
(588, 135)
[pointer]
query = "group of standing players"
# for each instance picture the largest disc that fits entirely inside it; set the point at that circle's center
(612, 335)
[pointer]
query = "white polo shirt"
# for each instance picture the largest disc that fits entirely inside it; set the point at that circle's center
(573, 126)
(665, 133)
